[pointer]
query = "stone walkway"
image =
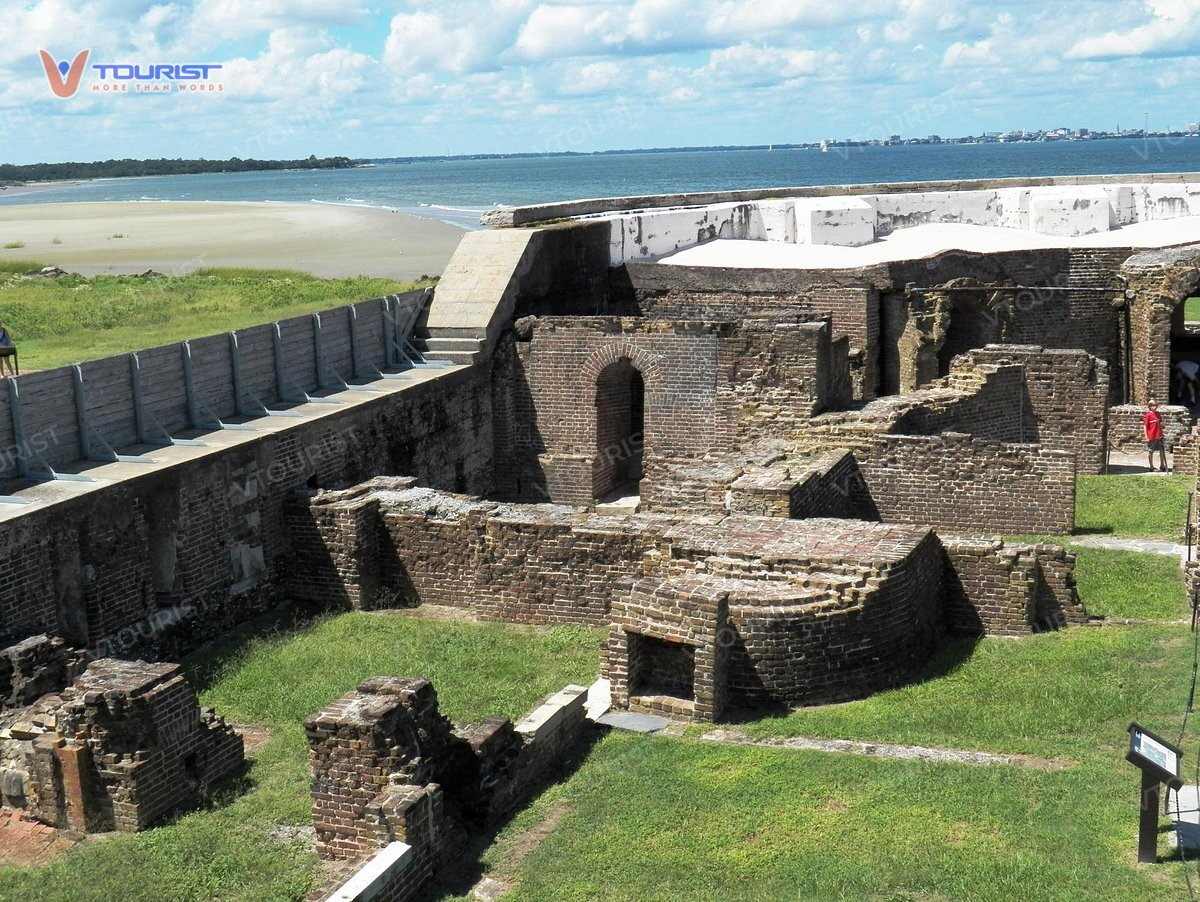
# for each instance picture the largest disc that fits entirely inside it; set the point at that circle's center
(886, 750)
(1147, 546)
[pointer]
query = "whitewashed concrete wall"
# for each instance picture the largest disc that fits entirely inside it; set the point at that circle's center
(1059, 211)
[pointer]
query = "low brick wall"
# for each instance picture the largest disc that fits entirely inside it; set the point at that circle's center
(390, 772)
(1009, 589)
(960, 484)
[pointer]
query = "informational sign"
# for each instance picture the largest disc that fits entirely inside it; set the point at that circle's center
(1154, 755)
(1158, 761)
(1150, 748)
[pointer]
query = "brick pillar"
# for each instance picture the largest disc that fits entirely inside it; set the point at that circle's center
(75, 763)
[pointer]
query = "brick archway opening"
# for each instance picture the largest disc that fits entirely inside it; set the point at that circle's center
(620, 431)
(1184, 361)
(972, 325)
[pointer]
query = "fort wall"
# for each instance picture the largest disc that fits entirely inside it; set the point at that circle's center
(157, 558)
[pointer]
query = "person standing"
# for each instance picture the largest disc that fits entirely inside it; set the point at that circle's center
(1152, 425)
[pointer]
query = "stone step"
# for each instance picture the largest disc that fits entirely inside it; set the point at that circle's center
(439, 344)
(458, 350)
(448, 332)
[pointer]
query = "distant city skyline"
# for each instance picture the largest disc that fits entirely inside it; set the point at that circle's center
(418, 78)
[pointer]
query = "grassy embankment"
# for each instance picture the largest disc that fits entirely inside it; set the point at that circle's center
(57, 321)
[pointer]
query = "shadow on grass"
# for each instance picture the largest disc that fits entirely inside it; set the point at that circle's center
(463, 866)
(207, 664)
(951, 655)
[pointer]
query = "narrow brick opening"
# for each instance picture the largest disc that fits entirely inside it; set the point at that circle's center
(1185, 349)
(661, 667)
(620, 430)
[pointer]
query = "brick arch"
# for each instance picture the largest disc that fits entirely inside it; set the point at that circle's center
(611, 352)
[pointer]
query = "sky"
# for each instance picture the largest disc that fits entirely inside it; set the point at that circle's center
(363, 79)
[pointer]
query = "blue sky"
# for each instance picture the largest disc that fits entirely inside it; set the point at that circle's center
(469, 76)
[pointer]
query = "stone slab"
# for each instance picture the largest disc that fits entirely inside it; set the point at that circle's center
(634, 723)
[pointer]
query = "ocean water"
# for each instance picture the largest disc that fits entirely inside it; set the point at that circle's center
(460, 191)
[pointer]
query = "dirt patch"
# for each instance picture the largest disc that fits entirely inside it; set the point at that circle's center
(253, 738)
(887, 750)
(500, 882)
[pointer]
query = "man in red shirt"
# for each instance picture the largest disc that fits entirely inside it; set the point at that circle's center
(1152, 423)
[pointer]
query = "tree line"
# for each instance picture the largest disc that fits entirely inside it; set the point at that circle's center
(101, 169)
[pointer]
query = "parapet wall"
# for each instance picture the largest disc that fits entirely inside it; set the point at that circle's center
(58, 417)
(1149, 185)
(168, 555)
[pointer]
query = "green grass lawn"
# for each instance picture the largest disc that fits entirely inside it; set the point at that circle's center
(1191, 310)
(656, 819)
(72, 318)
(1133, 505)
(232, 850)
(652, 818)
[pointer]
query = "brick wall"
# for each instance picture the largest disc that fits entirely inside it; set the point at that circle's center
(707, 387)
(388, 767)
(1085, 318)
(999, 588)
(123, 746)
(1066, 393)
(961, 484)
(1126, 433)
(159, 562)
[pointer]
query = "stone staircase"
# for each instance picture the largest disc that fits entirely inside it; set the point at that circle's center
(459, 346)
(474, 300)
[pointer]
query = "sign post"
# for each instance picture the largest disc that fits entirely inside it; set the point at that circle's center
(1159, 763)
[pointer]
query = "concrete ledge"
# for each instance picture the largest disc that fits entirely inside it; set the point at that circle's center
(521, 216)
(552, 713)
(376, 875)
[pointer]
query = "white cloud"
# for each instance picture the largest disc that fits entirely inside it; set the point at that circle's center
(299, 63)
(1173, 30)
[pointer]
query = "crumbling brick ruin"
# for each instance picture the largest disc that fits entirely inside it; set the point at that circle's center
(388, 767)
(769, 487)
(118, 748)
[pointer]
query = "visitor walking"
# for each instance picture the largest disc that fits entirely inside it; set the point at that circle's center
(1152, 425)
(8, 353)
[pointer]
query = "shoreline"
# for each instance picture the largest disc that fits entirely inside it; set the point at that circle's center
(174, 237)
(38, 187)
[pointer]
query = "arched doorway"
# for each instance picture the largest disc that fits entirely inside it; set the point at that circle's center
(972, 325)
(1184, 361)
(620, 431)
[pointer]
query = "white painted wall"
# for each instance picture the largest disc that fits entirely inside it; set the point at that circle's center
(1059, 211)
(1069, 212)
(840, 221)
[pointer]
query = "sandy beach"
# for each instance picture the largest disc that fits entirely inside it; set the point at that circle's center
(173, 237)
